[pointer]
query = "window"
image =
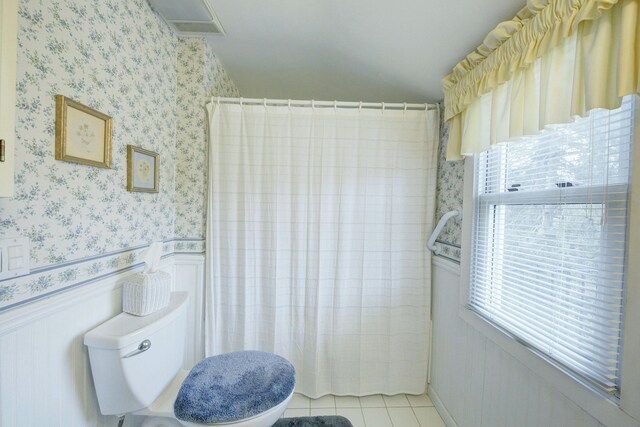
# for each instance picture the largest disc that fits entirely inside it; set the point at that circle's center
(549, 242)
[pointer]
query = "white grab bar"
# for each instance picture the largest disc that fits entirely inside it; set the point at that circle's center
(456, 214)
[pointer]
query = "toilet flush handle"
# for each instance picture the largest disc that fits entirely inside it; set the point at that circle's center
(144, 346)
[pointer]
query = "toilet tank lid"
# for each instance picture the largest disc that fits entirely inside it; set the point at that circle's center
(126, 329)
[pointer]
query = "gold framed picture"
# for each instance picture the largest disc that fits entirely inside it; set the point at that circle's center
(83, 135)
(143, 170)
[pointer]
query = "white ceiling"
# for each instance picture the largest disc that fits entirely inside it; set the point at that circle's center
(351, 50)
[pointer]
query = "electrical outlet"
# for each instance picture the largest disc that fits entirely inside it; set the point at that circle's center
(14, 257)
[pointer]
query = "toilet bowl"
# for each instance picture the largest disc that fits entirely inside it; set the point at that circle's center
(268, 418)
(160, 413)
(136, 363)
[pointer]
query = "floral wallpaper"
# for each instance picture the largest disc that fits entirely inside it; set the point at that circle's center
(449, 191)
(115, 57)
(217, 81)
(120, 58)
(201, 77)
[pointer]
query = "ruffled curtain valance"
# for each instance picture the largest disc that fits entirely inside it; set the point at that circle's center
(556, 59)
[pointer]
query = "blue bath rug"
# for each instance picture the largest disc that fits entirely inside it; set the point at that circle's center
(325, 421)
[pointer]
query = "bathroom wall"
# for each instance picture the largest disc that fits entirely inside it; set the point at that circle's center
(116, 57)
(201, 77)
(449, 196)
(120, 58)
(86, 230)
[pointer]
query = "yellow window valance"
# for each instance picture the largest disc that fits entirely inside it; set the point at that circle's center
(556, 59)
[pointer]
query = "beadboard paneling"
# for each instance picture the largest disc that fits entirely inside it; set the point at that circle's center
(188, 275)
(474, 383)
(45, 377)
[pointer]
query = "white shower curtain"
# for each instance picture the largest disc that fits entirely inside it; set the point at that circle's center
(316, 232)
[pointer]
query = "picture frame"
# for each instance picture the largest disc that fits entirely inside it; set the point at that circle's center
(143, 170)
(83, 135)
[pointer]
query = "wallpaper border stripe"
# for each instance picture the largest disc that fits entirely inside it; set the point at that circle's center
(442, 242)
(46, 281)
(449, 251)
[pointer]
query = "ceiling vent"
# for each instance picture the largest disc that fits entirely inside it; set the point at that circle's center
(189, 17)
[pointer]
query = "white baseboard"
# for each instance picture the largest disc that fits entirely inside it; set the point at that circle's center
(442, 410)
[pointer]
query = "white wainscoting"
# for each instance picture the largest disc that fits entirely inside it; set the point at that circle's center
(474, 383)
(45, 377)
(188, 275)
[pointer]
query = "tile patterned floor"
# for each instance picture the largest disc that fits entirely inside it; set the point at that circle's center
(401, 410)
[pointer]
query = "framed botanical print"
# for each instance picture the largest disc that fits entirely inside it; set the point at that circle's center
(83, 135)
(143, 170)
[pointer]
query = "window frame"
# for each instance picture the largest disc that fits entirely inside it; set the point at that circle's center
(622, 412)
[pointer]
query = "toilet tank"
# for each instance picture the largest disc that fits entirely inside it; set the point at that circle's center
(127, 377)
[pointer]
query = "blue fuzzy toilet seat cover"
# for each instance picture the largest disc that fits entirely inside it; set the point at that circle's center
(234, 386)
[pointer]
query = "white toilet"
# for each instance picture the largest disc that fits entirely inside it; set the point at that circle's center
(137, 369)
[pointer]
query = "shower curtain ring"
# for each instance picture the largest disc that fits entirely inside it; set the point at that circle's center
(335, 105)
(405, 106)
(360, 106)
(241, 100)
(264, 102)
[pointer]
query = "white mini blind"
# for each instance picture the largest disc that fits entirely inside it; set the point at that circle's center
(549, 241)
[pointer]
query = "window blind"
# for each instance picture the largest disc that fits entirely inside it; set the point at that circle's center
(549, 241)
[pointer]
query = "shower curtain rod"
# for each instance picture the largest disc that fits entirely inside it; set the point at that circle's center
(326, 104)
